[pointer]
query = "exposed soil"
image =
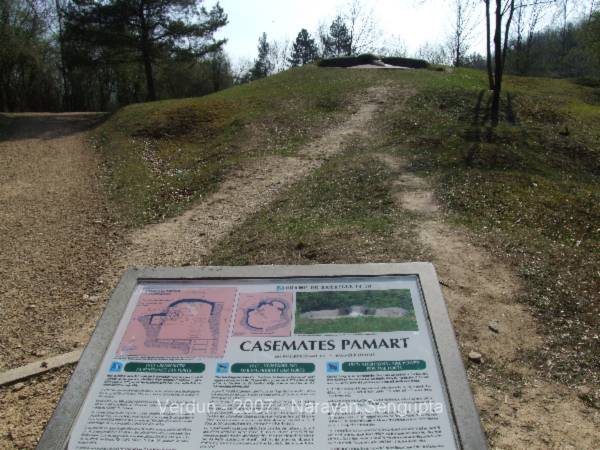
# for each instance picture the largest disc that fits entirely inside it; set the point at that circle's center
(519, 408)
(57, 238)
(56, 235)
(189, 238)
(26, 407)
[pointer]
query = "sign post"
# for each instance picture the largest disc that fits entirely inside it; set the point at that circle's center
(271, 357)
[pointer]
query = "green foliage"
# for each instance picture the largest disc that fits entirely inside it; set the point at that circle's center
(338, 42)
(405, 62)
(146, 31)
(572, 51)
(348, 61)
(312, 301)
(304, 49)
(27, 77)
(263, 66)
(367, 58)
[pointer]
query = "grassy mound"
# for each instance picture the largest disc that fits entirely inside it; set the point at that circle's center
(528, 188)
(163, 155)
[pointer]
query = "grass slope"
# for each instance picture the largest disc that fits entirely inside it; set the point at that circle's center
(163, 155)
(529, 188)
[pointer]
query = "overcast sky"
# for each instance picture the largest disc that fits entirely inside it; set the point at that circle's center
(414, 22)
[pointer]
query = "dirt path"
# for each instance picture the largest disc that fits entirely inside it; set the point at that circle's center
(55, 234)
(523, 410)
(190, 237)
(56, 237)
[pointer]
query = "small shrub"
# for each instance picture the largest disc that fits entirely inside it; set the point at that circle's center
(588, 81)
(405, 62)
(348, 61)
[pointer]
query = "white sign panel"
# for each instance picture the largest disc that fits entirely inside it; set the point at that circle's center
(323, 363)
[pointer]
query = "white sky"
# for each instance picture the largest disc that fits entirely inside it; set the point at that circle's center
(414, 22)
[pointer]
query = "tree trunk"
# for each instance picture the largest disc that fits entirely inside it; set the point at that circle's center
(146, 56)
(151, 92)
(511, 12)
(487, 40)
(63, 69)
(495, 112)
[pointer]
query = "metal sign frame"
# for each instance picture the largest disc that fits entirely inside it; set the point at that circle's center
(463, 411)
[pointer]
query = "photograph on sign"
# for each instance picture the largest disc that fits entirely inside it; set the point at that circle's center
(299, 363)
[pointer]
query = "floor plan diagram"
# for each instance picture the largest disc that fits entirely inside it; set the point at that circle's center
(184, 323)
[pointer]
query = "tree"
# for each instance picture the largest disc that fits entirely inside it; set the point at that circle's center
(362, 27)
(503, 15)
(263, 66)
(434, 54)
(393, 46)
(462, 30)
(528, 16)
(338, 41)
(503, 18)
(279, 54)
(592, 35)
(27, 58)
(304, 49)
(146, 29)
(488, 49)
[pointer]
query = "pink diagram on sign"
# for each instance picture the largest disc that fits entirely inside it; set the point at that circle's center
(264, 314)
(186, 322)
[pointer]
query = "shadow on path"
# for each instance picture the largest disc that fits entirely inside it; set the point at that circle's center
(50, 125)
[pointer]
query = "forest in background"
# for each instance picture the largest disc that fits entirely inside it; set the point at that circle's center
(98, 55)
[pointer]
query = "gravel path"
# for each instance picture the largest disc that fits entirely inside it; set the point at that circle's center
(55, 234)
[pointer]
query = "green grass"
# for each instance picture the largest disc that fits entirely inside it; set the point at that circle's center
(343, 212)
(356, 325)
(163, 155)
(528, 188)
(311, 301)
